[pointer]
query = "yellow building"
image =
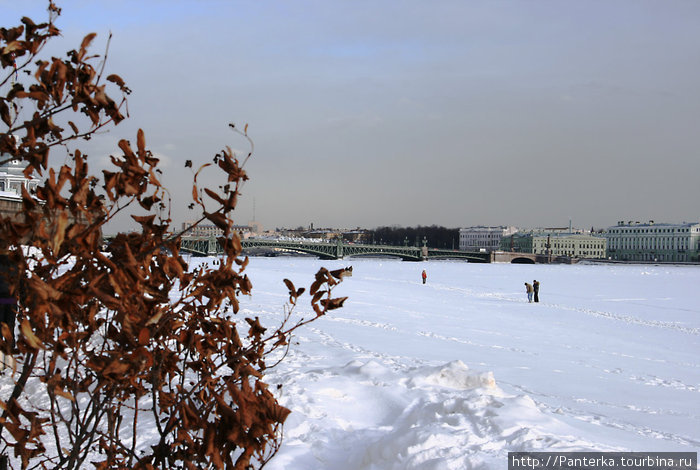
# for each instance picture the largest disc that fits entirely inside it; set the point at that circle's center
(572, 245)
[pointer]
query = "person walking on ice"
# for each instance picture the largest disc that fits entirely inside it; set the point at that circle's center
(424, 275)
(529, 291)
(536, 290)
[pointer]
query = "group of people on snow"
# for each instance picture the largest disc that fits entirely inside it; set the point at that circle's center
(533, 290)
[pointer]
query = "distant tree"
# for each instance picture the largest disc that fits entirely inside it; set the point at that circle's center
(109, 340)
(434, 236)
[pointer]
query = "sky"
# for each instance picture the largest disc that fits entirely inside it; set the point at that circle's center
(373, 113)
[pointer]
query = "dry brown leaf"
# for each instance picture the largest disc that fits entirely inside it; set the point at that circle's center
(29, 336)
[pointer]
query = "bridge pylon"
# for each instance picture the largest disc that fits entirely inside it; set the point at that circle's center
(212, 248)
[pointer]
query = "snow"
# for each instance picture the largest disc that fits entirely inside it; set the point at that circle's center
(456, 373)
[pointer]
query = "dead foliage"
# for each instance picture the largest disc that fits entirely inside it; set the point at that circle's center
(103, 332)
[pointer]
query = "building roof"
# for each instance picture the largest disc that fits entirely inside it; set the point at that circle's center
(651, 223)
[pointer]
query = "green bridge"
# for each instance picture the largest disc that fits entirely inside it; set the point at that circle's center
(334, 249)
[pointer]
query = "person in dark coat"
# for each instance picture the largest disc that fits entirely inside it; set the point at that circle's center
(536, 290)
(8, 298)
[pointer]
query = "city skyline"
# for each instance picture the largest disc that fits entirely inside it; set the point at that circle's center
(450, 113)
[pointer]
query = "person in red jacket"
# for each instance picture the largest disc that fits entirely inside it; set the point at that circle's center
(425, 276)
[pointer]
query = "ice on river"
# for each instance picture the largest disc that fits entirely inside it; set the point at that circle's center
(456, 373)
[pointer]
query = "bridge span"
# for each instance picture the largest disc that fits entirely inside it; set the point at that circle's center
(334, 249)
(209, 246)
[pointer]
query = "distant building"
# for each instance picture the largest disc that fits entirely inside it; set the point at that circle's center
(520, 242)
(573, 245)
(559, 230)
(204, 230)
(635, 241)
(12, 178)
(357, 235)
(321, 233)
(556, 243)
(11, 182)
(483, 238)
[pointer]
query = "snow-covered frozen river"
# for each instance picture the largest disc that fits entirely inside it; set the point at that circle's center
(460, 371)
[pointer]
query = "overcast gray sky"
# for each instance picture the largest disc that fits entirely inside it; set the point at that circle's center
(456, 113)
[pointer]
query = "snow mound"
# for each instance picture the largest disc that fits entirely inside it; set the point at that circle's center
(456, 375)
(378, 414)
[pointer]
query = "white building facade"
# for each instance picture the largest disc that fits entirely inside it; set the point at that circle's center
(634, 241)
(206, 230)
(483, 238)
(573, 245)
(12, 179)
(11, 182)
